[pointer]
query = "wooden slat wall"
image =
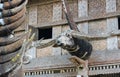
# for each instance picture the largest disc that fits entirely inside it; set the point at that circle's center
(92, 17)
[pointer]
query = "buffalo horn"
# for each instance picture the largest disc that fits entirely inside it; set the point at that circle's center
(9, 28)
(13, 11)
(11, 47)
(6, 40)
(8, 20)
(8, 5)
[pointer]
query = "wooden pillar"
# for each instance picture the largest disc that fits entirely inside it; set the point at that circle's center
(112, 25)
(57, 16)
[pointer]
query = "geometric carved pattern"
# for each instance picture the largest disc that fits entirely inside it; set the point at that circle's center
(72, 71)
(104, 69)
(52, 72)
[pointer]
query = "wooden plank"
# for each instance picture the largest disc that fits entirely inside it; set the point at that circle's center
(112, 43)
(97, 27)
(110, 6)
(57, 11)
(82, 8)
(57, 16)
(112, 25)
(78, 20)
(83, 27)
(104, 57)
(33, 15)
(105, 69)
(56, 31)
(96, 7)
(45, 14)
(99, 45)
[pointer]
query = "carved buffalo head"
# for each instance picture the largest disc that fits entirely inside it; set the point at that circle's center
(64, 40)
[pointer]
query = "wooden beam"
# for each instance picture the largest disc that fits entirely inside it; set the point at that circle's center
(78, 20)
(104, 57)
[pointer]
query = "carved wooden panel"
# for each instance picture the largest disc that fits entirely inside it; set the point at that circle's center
(96, 7)
(33, 15)
(97, 27)
(82, 8)
(118, 5)
(106, 70)
(56, 31)
(44, 52)
(112, 43)
(99, 45)
(83, 27)
(45, 13)
(112, 25)
(57, 11)
(110, 6)
(73, 6)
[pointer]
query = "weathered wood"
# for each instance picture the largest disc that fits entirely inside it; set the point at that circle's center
(96, 8)
(103, 57)
(110, 8)
(56, 31)
(57, 12)
(33, 15)
(112, 43)
(78, 20)
(82, 8)
(57, 16)
(83, 27)
(100, 44)
(112, 25)
(97, 27)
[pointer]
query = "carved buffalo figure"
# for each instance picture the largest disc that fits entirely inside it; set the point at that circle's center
(75, 46)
